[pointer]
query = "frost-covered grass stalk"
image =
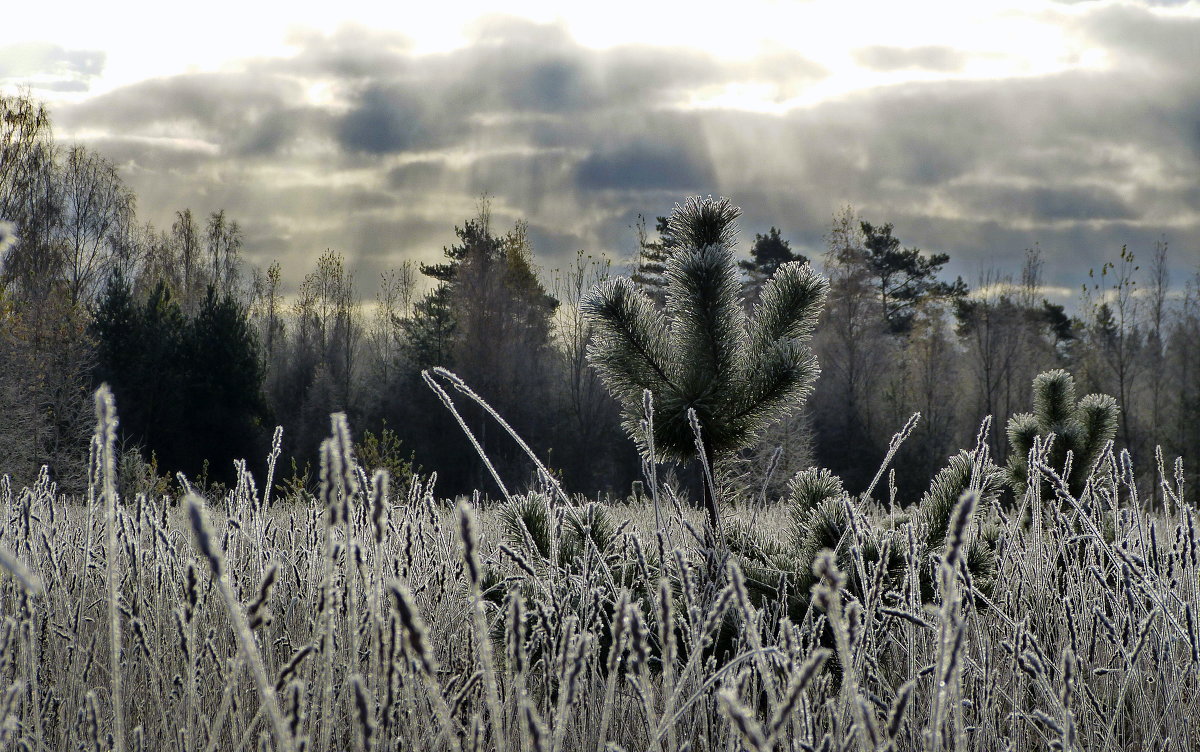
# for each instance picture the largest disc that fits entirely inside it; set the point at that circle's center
(362, 619)
(241, 627)
(106, 434)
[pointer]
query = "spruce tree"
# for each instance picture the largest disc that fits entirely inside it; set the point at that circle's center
(223, 382)
(738, 373)
(650, 274)
(189, 390)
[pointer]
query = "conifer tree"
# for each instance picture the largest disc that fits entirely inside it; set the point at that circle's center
(768, 253)
(704, 355)
(490, 319)
(223, 385)
(650, 274)
(1080, 427)
(189, 390)
(904, 277)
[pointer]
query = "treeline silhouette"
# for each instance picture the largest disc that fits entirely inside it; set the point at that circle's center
(205, 356)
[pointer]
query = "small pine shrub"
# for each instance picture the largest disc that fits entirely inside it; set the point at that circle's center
(1066, 426)
(385, 451)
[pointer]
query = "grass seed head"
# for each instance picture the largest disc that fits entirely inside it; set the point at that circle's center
(414, 626)
(204, 534)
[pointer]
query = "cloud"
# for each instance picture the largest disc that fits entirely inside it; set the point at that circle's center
(350, 52)
(356, 142)
(49, 66)
(39, 58)
(137, 154)
(1044, 205)
(417, 172)
(1134, 35)
(932, 58)
(220, 104)
(646, 165)
(1008, 288)
(384, 120)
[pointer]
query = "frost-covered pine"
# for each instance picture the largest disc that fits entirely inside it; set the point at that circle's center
(738, 373)
(1080, 427)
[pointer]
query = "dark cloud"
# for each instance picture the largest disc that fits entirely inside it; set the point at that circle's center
(554, 84)
(932, 58)
(524, 178)
(549, 74)
(211, 103)
(646, 165)
(1095, 168)
(416, 173)
(554, 246)
(241, 115)
(1044, 205)
(267, 136)
(1135, 34)
(350, 52)
(139, 154)
(526, 81)
(386, 120)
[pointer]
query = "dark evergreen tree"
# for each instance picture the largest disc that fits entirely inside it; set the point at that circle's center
(228, 418)
(116, 325)
(429, 332)
(141, 357)
(904, 276)
(187, 391)
(488, 319)
(432, 328)
(1061, 326)
(768, 253)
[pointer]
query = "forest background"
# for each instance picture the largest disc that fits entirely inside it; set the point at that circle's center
(207, 354)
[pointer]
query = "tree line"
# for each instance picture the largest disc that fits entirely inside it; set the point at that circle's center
(206, 355)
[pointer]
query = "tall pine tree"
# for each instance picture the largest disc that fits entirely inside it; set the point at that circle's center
(904, 276)
(768, 253)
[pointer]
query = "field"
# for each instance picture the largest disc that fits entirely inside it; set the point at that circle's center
(370, 618)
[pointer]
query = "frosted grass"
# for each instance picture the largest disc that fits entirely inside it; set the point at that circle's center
(367, 619)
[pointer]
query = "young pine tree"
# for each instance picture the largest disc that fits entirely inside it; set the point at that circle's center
(737, 372)
(1081, 427)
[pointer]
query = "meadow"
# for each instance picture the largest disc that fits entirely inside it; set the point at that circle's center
(368, 617)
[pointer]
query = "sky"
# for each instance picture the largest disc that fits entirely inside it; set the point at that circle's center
(978, 129)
